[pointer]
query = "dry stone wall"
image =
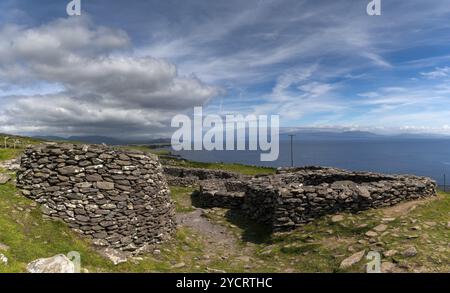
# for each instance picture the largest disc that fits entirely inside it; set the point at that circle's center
(181, 176)
(119, 198)
(219, 193)
(296, 196)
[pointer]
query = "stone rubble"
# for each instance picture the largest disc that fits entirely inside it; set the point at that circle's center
(10, 165)
(114, 255)
(410, 252)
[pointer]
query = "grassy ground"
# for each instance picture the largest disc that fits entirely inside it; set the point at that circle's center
(145, 149)
(182, 198)
(25, 236)
(320, 246)
(238, 168)
(21, 141)
(28, 236)
(233, 244)
(8, 154)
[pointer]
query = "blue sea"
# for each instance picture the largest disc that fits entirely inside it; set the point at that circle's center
(424, 157)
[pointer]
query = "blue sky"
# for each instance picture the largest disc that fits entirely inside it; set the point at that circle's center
(124, 69)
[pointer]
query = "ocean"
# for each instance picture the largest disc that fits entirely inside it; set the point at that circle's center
(423, 157)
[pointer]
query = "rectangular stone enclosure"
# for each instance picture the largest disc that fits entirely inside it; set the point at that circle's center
(296, 196)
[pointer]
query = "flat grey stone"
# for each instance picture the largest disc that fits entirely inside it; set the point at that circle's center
(56, 264)
(351, 260)
(115, 256)
(4, 178)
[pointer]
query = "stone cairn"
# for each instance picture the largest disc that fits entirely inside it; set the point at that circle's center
(295, 196)
(118, 198)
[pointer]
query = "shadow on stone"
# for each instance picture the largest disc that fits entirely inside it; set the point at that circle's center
(253, 231)
(195, 199)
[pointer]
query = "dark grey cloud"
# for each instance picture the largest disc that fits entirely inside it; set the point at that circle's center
(106, 89)
(133, 66)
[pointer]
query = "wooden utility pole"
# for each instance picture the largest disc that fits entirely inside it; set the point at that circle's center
(292, 149)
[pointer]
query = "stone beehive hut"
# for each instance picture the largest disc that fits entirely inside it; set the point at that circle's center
(120, 198)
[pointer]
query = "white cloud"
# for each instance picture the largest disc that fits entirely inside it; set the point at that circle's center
(439, 72)
(261, 51)
(106, 89)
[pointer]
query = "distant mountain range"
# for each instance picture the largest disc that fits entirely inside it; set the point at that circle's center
(355, 135)
(302, 134)
(97, 139)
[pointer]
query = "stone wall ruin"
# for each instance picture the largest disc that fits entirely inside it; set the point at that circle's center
(296, 196)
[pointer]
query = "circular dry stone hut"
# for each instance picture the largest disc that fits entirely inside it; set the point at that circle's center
(118, 198)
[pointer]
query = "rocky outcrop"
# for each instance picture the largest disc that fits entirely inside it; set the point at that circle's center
(59, 264)
(117, 197)
(296, 196)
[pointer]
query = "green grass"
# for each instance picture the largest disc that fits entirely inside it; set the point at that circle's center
(29, 236)
(318, 246)
(146, 149)
(22, 140)
(8, 154)
(432, 242)
(238, 168)
(321, 245)
(182, 198)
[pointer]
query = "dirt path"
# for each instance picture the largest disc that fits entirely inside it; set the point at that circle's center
(222, 250)
(405, 207)
(214, 233)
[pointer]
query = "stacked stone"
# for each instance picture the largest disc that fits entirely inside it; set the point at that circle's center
(313, 175)
(181, 176)
(260, 200)
(215, 193)
(288, 199)
(120, 198)
(296, 196)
